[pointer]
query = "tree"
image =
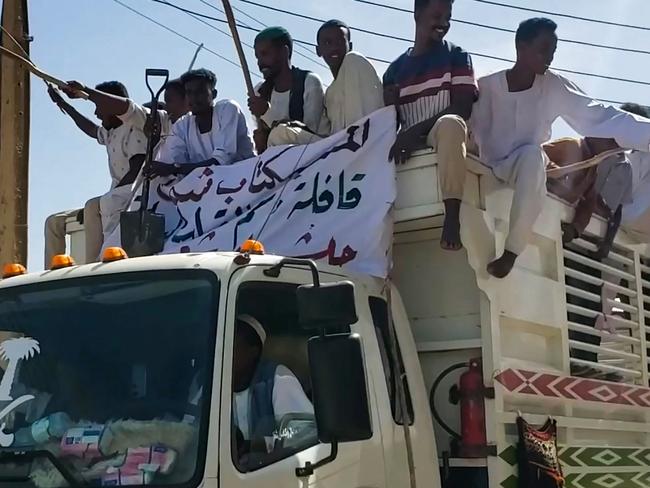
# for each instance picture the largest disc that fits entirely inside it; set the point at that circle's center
(14, 351)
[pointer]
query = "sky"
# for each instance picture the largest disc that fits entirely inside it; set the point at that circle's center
(98, 40)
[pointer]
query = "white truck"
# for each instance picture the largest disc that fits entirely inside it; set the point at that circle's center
(95, 342)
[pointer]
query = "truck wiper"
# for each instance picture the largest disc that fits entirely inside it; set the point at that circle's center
(23, 457)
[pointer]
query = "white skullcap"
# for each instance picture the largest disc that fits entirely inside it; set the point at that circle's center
(255, 325)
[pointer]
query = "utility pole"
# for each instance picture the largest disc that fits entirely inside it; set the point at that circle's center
(196, 54)
(14, 136)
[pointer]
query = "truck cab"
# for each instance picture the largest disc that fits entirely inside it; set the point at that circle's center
(150, 341)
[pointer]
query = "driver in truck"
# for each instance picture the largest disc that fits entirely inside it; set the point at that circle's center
(263, 393)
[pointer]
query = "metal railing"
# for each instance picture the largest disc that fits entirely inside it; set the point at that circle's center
(608, 312)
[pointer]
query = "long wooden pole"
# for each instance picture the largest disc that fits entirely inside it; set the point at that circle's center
(232, 23)
(14, 136)
(35, 70)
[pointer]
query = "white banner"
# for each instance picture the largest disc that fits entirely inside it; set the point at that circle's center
(329, 201)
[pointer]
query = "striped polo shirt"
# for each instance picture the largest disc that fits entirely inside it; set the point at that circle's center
(427, 82)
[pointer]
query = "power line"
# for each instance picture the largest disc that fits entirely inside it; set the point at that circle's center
(205, 16)
(566, 16)
(512, 31)
(176, 33)
(195, 43)
(299, 44)
(245, 14)
(480, 55)
(223, 21)
(199, 19)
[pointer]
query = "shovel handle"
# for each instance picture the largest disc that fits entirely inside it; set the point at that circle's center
(155, 128)
(156, 73)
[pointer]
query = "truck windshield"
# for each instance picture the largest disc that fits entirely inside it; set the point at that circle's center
(106, 380)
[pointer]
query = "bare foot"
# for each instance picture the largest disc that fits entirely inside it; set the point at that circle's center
(501, 267)
(569, 233)
(450, 240)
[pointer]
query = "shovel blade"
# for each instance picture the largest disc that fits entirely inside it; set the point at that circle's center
(143, 234)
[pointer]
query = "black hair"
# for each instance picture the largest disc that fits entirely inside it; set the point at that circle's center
(249, 334)
(334, 23)
(636, 109)
(200, 74)
(113, 88)
(529, 29)
(177, 86)
(420, 4)
(279, 37)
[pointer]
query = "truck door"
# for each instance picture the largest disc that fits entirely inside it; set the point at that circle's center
(253, 452)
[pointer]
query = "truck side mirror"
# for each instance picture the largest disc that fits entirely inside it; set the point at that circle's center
(326, 306)
(338, 375)
(339, 388)
(339, 393)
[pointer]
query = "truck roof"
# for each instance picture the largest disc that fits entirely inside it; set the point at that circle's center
(218, 262)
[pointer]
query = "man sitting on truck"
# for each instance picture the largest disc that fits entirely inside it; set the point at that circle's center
(125, 144)
(263, 393)
(356, 90)
(514, 117)
(214, 133)
(619, 191)
(289, 103)
(434, 88)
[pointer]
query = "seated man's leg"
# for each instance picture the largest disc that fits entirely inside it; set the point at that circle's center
(584, 211)
(449, 137)
(111, 206)
(93, 230)
(55, 236)
(284, 134)
(525, 171)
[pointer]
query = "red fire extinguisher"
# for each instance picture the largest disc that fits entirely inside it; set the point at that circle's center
(470, 393)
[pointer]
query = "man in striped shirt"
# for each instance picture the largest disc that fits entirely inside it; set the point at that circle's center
(434, 88)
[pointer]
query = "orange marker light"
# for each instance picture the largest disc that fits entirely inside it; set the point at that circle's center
(61, 261)
(13, 269)
(113, 254)
(252, 247)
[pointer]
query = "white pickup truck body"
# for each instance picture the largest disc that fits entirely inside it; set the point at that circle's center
(530, 330)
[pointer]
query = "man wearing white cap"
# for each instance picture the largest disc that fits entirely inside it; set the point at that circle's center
(263, 391)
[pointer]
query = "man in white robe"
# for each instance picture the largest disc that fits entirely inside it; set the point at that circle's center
(356, 90)
(514, 117)
(211, 134)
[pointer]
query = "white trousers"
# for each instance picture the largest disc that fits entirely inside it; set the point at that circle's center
(111, 206)
(286, 134)
(525, 171)
(55, 232)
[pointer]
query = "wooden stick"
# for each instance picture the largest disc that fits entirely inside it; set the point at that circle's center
(562, 171)
(230, 16)
(37, 71)
(232, 23)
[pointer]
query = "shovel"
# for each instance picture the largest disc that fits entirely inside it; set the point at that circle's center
(143, 231)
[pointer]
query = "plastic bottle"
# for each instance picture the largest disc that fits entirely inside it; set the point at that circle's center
(46, 429)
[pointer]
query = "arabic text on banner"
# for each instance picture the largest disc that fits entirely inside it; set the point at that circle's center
(328, 201)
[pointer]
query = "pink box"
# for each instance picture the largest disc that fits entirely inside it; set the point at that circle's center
(83, 442)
